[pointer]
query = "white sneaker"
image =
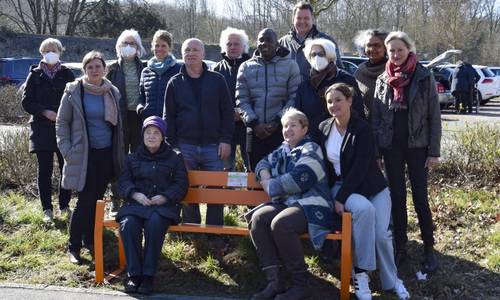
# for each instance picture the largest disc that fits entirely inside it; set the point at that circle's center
(400, 290)
(47, 216)
(361, 286)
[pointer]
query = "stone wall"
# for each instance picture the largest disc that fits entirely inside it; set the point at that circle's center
(17, 45)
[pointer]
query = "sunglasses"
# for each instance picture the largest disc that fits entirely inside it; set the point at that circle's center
(320, 54)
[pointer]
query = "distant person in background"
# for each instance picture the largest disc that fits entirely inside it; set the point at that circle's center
(155, 76)
(302, 30)
(464, 78)
(234, 48)
(406, 121)
(89, 136)
(153, 183)
(200, 117)
(372, 43)
(125, 74)
(266, 86)
(41, 98)
(320, 53)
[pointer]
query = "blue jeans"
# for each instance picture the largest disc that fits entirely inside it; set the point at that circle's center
(203, 158)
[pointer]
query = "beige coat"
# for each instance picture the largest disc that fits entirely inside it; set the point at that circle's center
(73, 141)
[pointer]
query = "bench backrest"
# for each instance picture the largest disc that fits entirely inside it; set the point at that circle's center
(231, 188)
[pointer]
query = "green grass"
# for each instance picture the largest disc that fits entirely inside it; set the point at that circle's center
(467, 240)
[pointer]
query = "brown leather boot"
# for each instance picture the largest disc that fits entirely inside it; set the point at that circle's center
(274, 284)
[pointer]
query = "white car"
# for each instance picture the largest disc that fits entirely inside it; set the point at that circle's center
(496, 70)
(487, 85)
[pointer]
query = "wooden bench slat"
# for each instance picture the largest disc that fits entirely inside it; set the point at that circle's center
(225, 196)
(212, 178)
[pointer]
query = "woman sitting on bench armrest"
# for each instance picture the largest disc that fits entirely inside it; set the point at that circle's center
(294, 176)
(153, 184)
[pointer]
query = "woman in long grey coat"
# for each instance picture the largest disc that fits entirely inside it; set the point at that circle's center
(89, 136)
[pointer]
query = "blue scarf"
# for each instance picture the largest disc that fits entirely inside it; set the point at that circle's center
(161, 66)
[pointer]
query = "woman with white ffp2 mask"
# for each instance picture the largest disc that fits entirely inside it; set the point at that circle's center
(125, 74)
(310, 99)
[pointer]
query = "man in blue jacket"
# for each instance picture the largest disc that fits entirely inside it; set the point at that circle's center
(199, 111)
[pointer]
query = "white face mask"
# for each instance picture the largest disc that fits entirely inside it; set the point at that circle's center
(51, 58)
(128, 51)
(319, 63)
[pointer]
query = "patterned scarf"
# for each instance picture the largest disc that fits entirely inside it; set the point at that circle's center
(318, 77)
(398, 77)
(161, 66)
(51, 72)
(110, 109)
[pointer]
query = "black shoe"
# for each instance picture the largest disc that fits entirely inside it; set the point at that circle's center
(74, 257)
(131, 284)
(430, 264)
(146, 287)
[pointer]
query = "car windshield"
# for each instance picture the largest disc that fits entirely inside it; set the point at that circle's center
(496, 71)
(487, 72)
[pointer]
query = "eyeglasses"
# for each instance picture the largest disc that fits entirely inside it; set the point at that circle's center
(125, 43)
(314, 54)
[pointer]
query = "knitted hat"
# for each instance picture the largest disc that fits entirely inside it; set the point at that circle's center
(157, 122)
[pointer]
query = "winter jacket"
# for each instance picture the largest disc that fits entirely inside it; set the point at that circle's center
(463, 78)
(298, 176)
(424, 115)
(153, 90)
(296, 48)
(360, 173)
(73, 139)
(264, 89)
(208, 120)
(314, 105)
(229, 69)
(161, 173)
(117, 77)
(43, 93)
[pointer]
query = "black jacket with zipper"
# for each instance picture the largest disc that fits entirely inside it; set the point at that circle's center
(360, 173)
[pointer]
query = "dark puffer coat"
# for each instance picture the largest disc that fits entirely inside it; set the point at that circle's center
(42, 93)
(153, 88)
(162, 173)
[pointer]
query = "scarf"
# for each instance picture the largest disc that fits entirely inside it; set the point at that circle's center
(366, 76)
(161, 66)
(51, 72)
(318, 77)
(398, 77)
(110, 109)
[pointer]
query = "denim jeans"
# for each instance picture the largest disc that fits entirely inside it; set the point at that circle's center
(204, 158)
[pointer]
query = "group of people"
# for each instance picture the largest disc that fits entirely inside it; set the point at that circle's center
(318, 139)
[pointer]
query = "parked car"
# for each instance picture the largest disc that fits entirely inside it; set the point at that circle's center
(496, 71)
(75, 67)
(357, 60)
(15, 70)
(442, 74)
(487, 85)
(349, 67)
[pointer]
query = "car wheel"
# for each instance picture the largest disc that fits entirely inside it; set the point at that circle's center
(480, 98)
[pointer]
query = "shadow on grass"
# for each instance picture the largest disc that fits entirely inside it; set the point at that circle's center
(240, 275)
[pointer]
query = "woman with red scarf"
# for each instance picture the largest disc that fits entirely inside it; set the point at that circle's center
(407, 127)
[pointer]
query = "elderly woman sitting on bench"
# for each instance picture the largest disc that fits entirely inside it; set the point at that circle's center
(294, 176)
(153, 184)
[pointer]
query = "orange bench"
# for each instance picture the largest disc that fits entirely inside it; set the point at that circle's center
(217, 188)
